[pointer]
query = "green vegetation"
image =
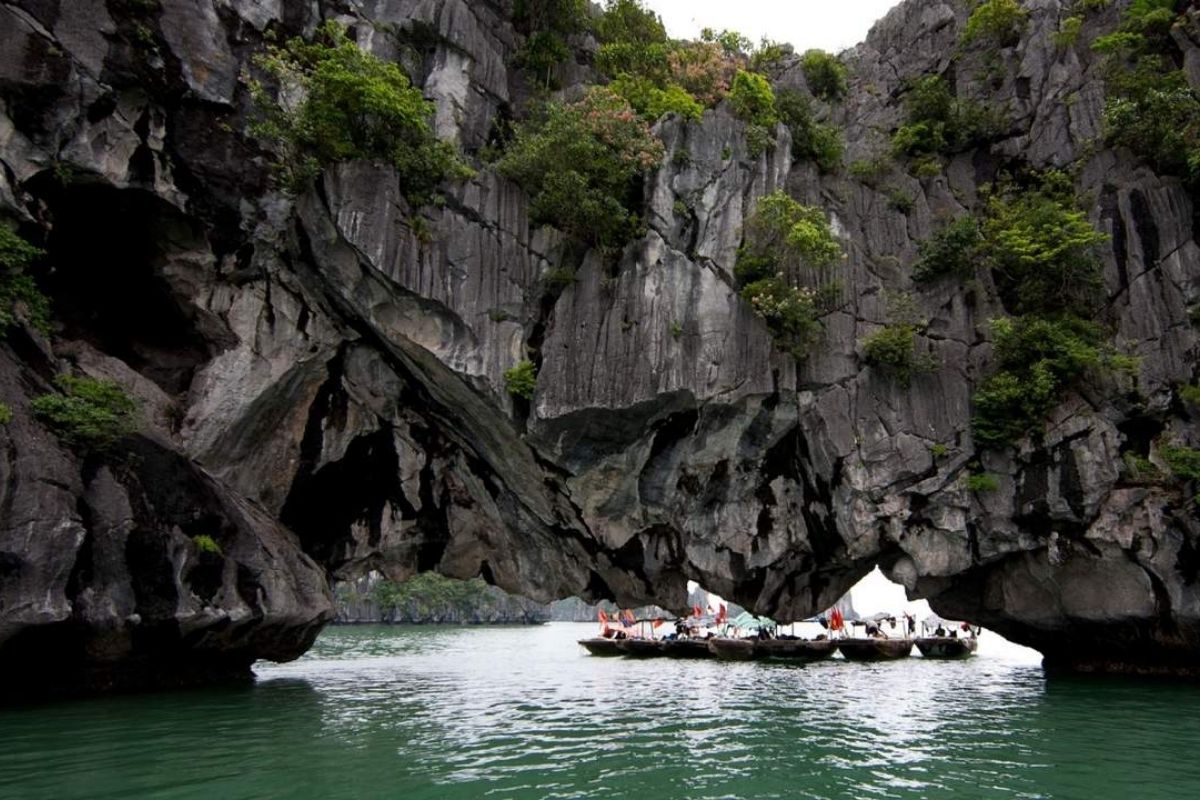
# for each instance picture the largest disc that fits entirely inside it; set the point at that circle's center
(811, 140)
(17, 288)
(206, 544)
(949, 252)
(546, 25)
(872, 170)
(1042, 248)
(825, 75)
(1190, 394)
(1184, 462)
(352, 106)
(1151, 109)
(1068, 31)
(996, 22)
(651, 102)
(753, 102)
(521, 380)
(785, 247)
(893, 348)
(938, 122)
(5, 414)
(939, 450)
(1039, 359)
(582, 164)
(90, 414)
(980, 482)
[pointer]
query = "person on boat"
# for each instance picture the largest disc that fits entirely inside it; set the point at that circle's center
(912, 624)
(940, 632)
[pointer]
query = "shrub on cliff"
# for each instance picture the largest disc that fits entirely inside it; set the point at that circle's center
(952, 251)
(938, 122)
(582, 164)
(826, 76)
(787, 247)
(652, 102)
(18, 292)
(1039, 358)
(5, 414)
(1041, 247)
(89, 414)
(703, 69)
(811, 140)
(546, 25)
(521, 380)
(996, 22)
(333, 102)
(633, 42)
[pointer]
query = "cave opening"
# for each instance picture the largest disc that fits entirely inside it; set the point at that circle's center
(119, 259)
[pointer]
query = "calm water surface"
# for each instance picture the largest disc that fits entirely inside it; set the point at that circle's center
(525, 713)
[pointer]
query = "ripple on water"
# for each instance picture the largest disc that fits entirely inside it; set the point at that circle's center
(524, 713)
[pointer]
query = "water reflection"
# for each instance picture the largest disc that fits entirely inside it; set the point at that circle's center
(524, 713)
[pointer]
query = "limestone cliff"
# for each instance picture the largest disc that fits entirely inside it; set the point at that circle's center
(323, 377)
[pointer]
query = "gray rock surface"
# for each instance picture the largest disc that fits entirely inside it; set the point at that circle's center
(324, 363)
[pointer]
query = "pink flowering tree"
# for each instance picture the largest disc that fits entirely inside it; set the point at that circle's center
(583, 165)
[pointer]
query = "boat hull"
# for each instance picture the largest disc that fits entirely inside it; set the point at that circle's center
(795, 649)
(641, 648)
(686, 648)
(875, 649)
(732, 649)
(946, 648)
(599, 646)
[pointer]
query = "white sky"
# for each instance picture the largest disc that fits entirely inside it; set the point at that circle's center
(831, 26)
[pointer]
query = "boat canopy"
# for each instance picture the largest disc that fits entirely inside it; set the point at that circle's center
(748, 621)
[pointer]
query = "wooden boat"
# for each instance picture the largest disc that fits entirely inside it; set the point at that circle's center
(641, 648)
(599, 646)
(729, 649)
(795, 649)
(875, 649)
(946, 647)
(686, 648)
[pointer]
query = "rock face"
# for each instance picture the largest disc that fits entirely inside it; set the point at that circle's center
(323, 377)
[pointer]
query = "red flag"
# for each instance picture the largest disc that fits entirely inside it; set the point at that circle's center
(600, 613)
(696, 611)
(721, 617)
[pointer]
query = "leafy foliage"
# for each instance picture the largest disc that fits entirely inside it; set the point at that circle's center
(5, 414)
(1042, 248)
(521, 380)
(939, 122)
(90, 414)
(206, 544)
(430, 597)
(581, 164)
(825, 75)
(811, 140)
(334, 102)
(785, 246)
(1040, 358)
(652, 102)
(752, 99)
(703, 69)
(980, 482)
(17, 287)
(952, 251)
(893, 349)
(996, 22)
(1184, 462)
(1151, 108)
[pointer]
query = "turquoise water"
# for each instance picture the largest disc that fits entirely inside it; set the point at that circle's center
(525, 713)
